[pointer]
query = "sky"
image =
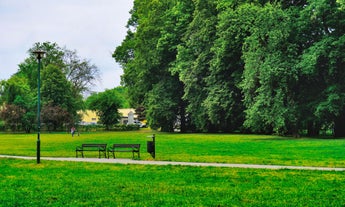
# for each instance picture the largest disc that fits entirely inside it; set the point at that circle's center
(94, 28)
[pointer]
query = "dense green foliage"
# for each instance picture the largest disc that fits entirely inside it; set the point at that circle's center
(122, 94)
(258, 66)
(64, 79)
(106, 105)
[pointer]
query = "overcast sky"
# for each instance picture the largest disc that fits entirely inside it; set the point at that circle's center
(94, 28)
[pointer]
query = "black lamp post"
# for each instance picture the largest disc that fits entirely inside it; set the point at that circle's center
(39, 54)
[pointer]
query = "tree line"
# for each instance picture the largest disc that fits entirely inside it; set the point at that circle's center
(65, 80)
(261, 66)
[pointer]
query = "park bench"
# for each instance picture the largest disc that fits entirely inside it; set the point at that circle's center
(101, 148)
(134, 148)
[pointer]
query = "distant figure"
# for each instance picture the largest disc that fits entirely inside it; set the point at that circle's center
(72, 131)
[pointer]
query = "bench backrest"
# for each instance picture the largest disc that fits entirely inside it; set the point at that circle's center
(94, 145)
(137, 146)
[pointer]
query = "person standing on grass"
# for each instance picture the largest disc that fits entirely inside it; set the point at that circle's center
(72, 131)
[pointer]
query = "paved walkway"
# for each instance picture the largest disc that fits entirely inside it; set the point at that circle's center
(144, 162)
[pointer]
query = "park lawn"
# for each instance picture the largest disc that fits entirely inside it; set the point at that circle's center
(54, 183)
(221, 148)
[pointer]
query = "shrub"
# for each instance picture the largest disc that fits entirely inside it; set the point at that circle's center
(125, 127)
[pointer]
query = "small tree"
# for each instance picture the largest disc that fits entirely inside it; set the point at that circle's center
(19, 103)
(55, 116)
(12, 115)
(106, 105)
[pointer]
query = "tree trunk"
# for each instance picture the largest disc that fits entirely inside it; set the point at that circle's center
(183, 127)
(339, 126)
(167, 128)
(294, 131)
(313, 129)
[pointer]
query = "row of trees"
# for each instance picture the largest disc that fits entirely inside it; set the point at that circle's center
(250, 65)
(65, 78)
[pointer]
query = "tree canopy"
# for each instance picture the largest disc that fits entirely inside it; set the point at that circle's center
(250, 65)
(106, 105)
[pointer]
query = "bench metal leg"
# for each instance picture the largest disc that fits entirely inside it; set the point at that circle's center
(112, 152)
(135, 152)
(104, 152)
(81, 152)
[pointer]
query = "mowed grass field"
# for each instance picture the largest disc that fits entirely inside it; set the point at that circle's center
(220, 148)
(53, 183)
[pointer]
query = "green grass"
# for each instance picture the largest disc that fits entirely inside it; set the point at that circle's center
(51, 183)
(222, 148)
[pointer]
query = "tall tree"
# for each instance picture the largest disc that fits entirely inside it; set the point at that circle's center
(56, 92)
(162, 108)
(193, 61)
(176, 20)
(147, 54)
(322, 64)
(80, 72)
(223, 103)
(270, 73)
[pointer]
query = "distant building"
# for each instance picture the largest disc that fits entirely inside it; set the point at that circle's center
(90, 117)
(125, 113)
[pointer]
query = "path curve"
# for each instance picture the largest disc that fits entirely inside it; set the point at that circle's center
(199, 164)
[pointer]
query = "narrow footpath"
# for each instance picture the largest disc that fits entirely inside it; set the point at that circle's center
(145, 162)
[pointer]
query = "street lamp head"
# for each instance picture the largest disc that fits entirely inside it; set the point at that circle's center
(39, 54)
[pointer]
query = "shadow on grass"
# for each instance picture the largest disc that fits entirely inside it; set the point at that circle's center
(290, 138)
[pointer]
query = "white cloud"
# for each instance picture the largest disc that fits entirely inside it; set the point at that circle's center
(91, 27)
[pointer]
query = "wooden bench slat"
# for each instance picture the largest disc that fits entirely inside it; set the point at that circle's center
(134, 148)
(92, 147)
